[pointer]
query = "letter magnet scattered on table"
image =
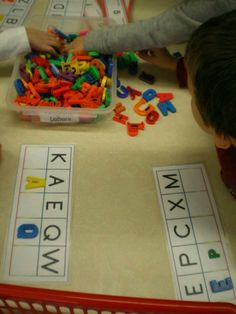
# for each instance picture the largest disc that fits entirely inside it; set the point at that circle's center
(143, 107)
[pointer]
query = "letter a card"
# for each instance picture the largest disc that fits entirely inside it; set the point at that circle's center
(201, 267)
(37, 247)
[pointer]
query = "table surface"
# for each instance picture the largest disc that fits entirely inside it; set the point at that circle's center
(118, 241)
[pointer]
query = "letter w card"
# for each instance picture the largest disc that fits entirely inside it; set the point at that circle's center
(37, 247)
(201, 268)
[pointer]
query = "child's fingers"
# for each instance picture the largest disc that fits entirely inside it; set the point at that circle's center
(50, 49)
(76, 51)
(67, 48)
(144, 53)
(76, 46)
(54, 42)
(146, 56)
(73, 51)
(70, 47)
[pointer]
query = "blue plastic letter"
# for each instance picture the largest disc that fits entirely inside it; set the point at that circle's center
(149, 94)
(222, 285)
(27, 231)
(165, 107)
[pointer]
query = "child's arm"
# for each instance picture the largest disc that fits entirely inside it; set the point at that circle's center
(172, 26)
(159, 57)
(164, 60)
(14, 41)
(75, 46)
(42, 41)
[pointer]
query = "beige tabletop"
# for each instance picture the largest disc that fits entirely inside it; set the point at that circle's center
(118, 242)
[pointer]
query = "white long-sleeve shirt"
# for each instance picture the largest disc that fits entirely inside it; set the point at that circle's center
(13, 41)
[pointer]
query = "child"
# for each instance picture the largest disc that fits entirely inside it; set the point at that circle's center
(172, 26)
(211, 66)
(210, 60)
(211, 70)
(14, 41)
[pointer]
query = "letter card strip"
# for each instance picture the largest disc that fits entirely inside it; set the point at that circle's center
(13, 12)
(115, 10)
(201, 267)
(38, 241)
(66, 8)
(92, 8)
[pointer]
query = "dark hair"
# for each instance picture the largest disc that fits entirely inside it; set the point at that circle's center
(211, 63)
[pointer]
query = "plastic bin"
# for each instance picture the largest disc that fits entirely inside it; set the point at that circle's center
(18, 299)
(60, 114)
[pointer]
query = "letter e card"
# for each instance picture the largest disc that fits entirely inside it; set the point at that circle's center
(37, 247)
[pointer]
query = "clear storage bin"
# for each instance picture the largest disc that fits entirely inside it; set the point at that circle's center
(61, 114)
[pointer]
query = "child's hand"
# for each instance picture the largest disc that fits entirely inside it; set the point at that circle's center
(42, 41)
(76, 46)
(159, 57)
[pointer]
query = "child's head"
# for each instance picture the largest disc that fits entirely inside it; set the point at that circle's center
(211, 64)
